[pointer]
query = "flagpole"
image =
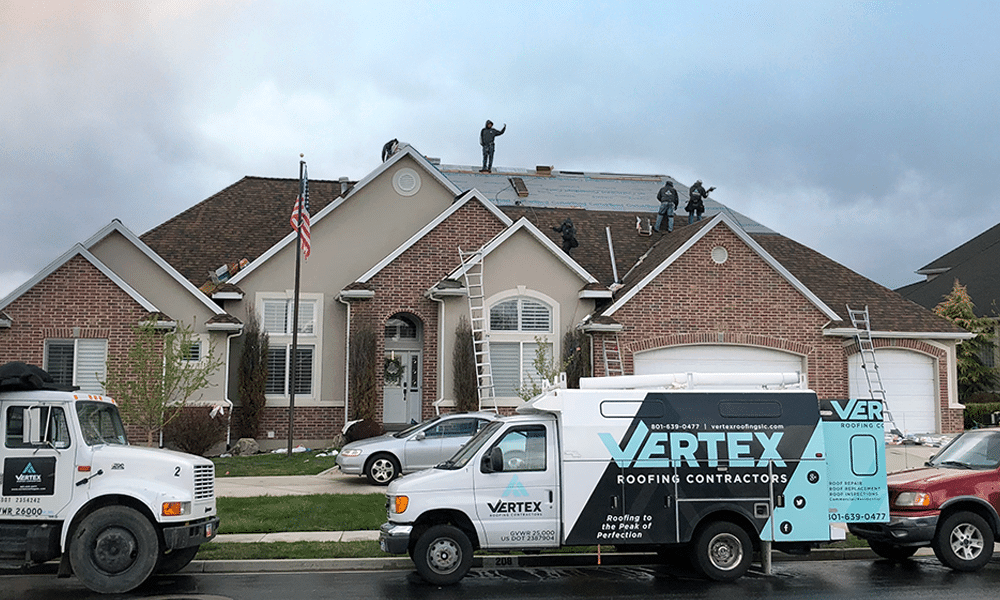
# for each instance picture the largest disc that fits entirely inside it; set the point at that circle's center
(295, 318)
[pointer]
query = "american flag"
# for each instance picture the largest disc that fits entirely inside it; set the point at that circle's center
(300, 213)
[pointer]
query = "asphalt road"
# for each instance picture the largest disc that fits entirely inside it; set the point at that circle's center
(920, 578)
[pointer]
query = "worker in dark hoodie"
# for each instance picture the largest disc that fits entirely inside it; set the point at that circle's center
(486, 137)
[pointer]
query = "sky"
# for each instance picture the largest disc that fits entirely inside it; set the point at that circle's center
(865, 130)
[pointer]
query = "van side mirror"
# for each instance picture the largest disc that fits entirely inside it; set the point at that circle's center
(493, 461)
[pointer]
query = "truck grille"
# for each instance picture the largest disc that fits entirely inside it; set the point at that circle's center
(204, 482)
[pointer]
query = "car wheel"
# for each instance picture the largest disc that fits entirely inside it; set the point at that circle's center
(382, 469)
(722, 551)
(964, 542)
(114, 549)
(892, 551)
(443, 555)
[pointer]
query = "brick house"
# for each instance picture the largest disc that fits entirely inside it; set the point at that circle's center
(722, 294)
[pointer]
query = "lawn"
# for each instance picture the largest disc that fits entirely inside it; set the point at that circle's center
(318, 512)
(300, 463)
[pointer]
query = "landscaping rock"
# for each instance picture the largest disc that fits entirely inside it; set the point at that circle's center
(246, 447)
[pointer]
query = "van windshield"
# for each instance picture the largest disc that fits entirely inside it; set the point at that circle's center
(100, 423)
(466, 452)
(971, 450)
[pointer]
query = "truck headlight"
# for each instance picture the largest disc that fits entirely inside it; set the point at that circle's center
(175, 509)
(913, 499)
(351, 452)
(398, 504)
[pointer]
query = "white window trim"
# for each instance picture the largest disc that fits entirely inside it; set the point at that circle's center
(551, 337)
(314, 339)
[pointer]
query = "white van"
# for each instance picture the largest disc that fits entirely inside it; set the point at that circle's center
(649, 462)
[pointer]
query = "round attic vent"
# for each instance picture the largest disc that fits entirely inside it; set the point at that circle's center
(720, 255)
(406, 182)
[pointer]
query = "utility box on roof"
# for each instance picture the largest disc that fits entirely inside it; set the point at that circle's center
(719, 471)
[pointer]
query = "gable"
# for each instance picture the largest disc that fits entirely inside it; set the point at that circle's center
(526, 259)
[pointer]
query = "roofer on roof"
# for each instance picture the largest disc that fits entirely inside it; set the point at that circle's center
(696, 203)
(486, 137)
(668, 204)
(568, 232)
(389, 149)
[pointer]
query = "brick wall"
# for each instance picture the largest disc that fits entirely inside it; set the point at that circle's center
(75, 301)
(401, 286)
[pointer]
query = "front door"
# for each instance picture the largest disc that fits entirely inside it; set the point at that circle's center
(402, 397)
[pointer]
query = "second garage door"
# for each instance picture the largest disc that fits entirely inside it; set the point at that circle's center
(716, 358)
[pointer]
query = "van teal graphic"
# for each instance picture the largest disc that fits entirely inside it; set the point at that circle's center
(657, 449)
(29, 476)
(515, 488)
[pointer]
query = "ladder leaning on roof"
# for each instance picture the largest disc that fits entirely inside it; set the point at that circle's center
(863, 334)
(472, 263)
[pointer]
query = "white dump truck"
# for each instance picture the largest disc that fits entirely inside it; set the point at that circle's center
(73, 488)
(689, 462)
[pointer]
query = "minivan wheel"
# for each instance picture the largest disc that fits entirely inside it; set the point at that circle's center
(964, 542)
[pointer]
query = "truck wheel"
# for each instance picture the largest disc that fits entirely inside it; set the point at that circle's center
(443, 555)
(175, 560)
(722, 551)
(964, 542)
(891, 551)
(114, 549)
(382, 469)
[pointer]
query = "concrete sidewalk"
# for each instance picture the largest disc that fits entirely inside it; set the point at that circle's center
(332, 481)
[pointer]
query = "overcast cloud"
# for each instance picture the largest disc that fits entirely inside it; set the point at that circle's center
(867, 131)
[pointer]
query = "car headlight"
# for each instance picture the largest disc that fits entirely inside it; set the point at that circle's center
(351, 452)
(913, 499)
(398, 504)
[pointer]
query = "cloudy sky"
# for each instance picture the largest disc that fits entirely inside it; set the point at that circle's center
(869, 131)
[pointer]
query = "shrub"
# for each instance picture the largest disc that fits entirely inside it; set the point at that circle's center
(252, 378)
(363, 373)
(982, 398)
(195, 431)
(363, 430)
(978, 415)
(466, 381)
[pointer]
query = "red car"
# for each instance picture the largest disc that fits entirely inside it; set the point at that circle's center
(950, 505)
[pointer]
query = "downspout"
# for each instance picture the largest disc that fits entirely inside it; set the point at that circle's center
(440, 349)
(229, 425)
(347, 360)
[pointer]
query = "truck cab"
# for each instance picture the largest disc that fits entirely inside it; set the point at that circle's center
(73, 488)
(647, 464)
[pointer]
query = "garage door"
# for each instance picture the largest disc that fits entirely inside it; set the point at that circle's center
(716, 358)
(910, 387)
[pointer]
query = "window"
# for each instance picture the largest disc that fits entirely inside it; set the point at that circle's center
(455, 428)
(513, 365)
(79, 362)
(279, 364)
(520, 326)
(101, 423)
(54, 428)
(277, 321)
(278, 316)
(523, 448)
(521, 314)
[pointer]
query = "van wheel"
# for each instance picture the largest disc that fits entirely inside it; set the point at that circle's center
(964, 542)
(891, 551)
(382, 469)
(443, 555)
(114, 549)
(175, 560)
(722, 551)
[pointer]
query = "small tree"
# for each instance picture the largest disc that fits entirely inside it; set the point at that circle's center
(576, 357)
(364, 373)
(466, 380)
(546, 371)
(155, 380)
(253, 372)
(973, 375)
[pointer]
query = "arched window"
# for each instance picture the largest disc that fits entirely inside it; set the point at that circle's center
(521, 327)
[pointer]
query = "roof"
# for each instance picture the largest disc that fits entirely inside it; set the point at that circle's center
(240, 222)
(615, 192)
(973, 264)
(833, 285)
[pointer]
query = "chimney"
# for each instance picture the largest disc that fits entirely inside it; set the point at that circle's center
(343, 186)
